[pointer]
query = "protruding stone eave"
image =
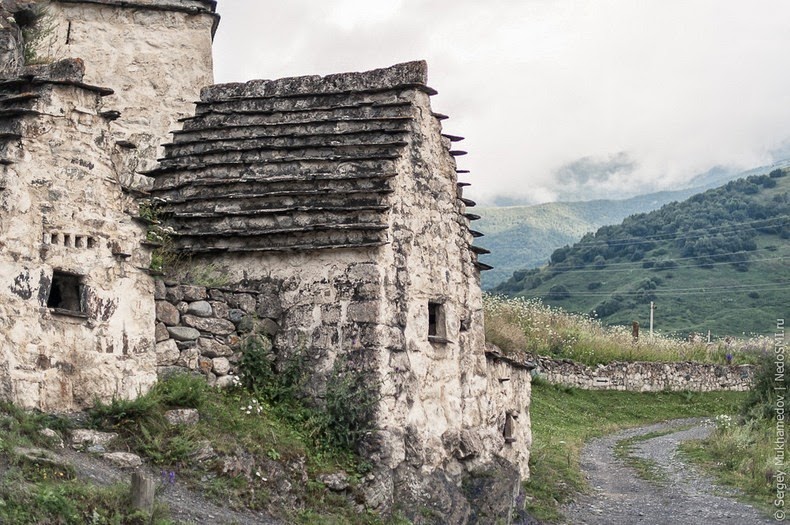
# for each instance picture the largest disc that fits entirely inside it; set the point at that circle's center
(162, 171)
(313, 177)
(496, 356)
(408, 75)
(483, 267)
(274, 194)
(194, 7)
(287, 249)
(181, 132)
(225, 144)
(260, 212)
(280, 231)
(453, 138)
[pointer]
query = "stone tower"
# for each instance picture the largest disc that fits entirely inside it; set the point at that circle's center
(154, 54)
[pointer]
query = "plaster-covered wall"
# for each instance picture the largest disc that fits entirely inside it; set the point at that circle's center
(62, 209)
(155, 55)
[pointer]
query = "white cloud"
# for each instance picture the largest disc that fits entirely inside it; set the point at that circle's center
(677, 86)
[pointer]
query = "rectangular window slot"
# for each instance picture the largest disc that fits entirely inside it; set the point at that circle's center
(67, 294)
(55, 238)
(91, 243)
(67, 239)
(437, 323)
(79, 241)
(509, 430)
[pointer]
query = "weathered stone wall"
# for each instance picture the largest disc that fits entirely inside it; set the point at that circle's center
(341, 194)
(155, 55)
(647, 377)
(76, 310)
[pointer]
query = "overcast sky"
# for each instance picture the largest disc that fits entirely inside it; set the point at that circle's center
(556, 98)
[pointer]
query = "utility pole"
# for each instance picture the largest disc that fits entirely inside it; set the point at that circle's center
(652, 308)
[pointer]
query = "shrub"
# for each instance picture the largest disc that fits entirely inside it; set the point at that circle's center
(352, 397)
(768, 378)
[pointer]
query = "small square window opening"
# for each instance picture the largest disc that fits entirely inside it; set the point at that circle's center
(66, 293)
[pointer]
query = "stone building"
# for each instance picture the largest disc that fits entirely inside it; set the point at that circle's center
(333, 202)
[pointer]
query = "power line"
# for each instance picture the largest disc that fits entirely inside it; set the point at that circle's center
(767, 287)
(639, 265)
(730, 228)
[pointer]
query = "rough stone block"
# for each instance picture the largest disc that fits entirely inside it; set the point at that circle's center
(242, 301)
(269, 306)
(182, 416)
(174, 294)
(365, 312)
(189, 359)
(235, 315)
(220, 309)
(193, 293)
(161, 333)
(225, 381)
(183, 333)
(160, 290)
(83, 437)
(212, 348)
(123, 459)
(200, 309)
(205, 365)
(167, 353)
(221, 366)
(217, 295)
(167, 313)
(211, 325)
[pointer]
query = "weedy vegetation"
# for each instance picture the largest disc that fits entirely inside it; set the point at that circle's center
(744, 449)
(529, 325)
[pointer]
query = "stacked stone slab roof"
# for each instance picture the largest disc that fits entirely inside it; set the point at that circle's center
(293, 164)
(19, 90)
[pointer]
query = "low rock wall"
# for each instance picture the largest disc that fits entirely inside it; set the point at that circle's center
(200, 329)
(647, 377)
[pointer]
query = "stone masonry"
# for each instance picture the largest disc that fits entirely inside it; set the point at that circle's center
(329, 207)
(647, 377)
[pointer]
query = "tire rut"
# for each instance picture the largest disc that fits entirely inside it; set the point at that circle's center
(685, 497)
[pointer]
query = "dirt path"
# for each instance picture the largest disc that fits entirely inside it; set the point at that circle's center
(185, 506)
(685, 497)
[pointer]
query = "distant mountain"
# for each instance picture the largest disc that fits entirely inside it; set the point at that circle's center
(716, 261)
(522, 237)
(525, 236)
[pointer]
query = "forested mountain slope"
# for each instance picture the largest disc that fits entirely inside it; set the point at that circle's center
(717, 261)
(525, 236)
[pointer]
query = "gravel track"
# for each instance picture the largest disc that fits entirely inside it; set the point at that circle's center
(685, 497)
(185, 506)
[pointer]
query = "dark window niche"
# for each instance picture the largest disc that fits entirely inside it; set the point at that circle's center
(437, 324)
(67, 294)
(509, 430)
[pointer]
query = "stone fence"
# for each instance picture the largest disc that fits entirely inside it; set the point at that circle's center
(200, 329)
(647, 376)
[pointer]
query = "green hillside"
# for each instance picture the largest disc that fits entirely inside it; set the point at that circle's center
(525, 236)
(717, 261)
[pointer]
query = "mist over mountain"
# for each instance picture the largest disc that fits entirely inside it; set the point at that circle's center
(524, 236)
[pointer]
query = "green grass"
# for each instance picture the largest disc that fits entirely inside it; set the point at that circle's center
(40, 491)
(645, 468)
(740, 456)
(564, 418)
(264, 458)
